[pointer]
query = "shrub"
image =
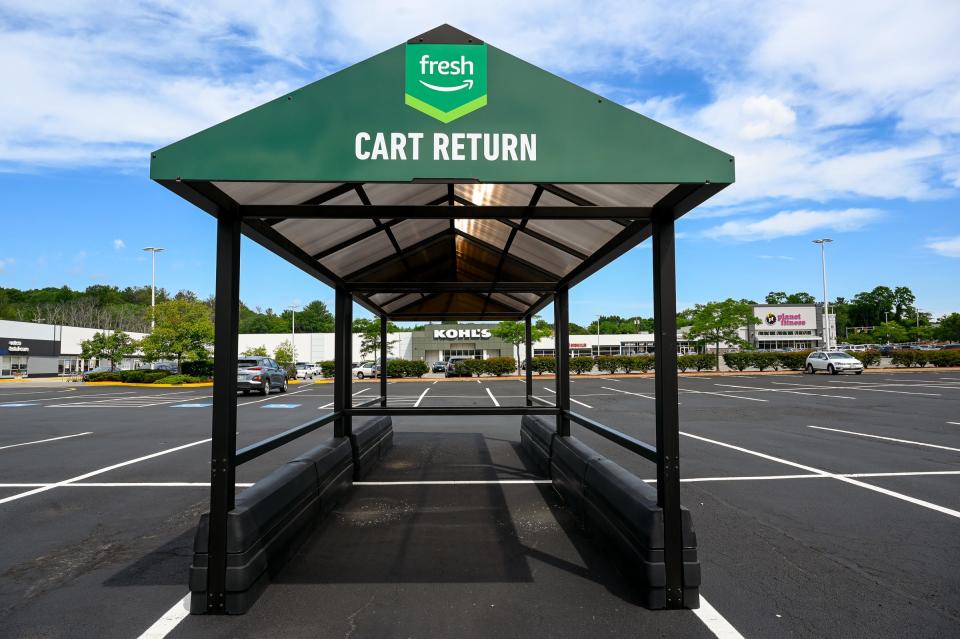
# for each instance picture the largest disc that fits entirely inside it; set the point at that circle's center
(180, 379)
(470, 367)
(103, 377)
(903, 358)
(202, 368)
(685, 361)
(581, 364)
(922, 358)
(142, 376)
(705, 362)
(944, 358)
(326, 368)
(793, 361)
(644, 363)
(608, 363)
(406, 368)
(417, 368)
(763, 360)
(738, 361)
(867, 358)
(499, 366)
(543, 364)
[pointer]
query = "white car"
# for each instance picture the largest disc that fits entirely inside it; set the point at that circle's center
(365, 369)
(306, 370)
(833, 362)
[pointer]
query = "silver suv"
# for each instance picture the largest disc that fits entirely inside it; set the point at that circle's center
(261, 374)
(833, 362)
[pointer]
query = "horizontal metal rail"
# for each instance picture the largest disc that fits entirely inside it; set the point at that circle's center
(635, 445)
(452, 411)
(455, 287)
(429, 212)
(270, 443)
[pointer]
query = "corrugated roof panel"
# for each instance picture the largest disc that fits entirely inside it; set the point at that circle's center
(585, 236)
(543, 255)
(314, 236)
(393, 194)
(412, 231)
(401, 302)
(489, 231)
(508, 301)
(356, 256)
(495, 194)
(620, 194)
(275, 192)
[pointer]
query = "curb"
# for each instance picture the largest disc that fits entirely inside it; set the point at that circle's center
(192, 385)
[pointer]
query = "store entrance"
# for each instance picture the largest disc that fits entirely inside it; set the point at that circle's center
(13, 365)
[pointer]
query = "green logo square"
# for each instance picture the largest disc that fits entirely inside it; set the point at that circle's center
(446, 81)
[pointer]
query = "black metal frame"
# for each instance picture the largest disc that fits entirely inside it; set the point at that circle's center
(638, 224)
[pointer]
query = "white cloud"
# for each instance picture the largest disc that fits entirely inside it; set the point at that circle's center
(765, 117)
(948, 246)
(118, 244)
(790, 223)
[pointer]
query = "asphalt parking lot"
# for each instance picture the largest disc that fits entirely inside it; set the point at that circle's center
(824, 506)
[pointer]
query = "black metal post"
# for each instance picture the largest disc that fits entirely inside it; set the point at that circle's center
(667, 392)
(383, 361)
(528, 339)
(223, 445)
(561, 349)
(342, 356)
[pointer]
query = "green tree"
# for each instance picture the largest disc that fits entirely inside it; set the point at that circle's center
(949, 328)
(889, 333)
(516, 333)
(717, 322)
(369, 330)
(184, 328)
(283, 353)
(315, 318)
(780, 297)
(903, 299)
(256, 351)
(113, 347)
(776, 297)
(868, 308)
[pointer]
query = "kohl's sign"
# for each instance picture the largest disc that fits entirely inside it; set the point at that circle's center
(461, 333)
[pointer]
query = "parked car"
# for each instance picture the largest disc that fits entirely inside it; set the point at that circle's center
(364, 369)
(99, 369)
(439, 367)
(306, 370)
(833, 362)
(376, 367)
(453, 369)
(950, 347)
(261, 374)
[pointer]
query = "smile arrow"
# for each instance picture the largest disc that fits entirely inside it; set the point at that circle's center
(467, 84)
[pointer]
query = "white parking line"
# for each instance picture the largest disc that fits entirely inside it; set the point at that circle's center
(714, 621)
(617, 390)
(41, 441)
(780, 390)
(875, 390)
(354, 395)
(889, 439)
(100, 471)
(492, 398)
(571, 399)
(954, 423)
(751, 399)
(545, 401)
(172, 618)
(848, 480)
(420, 399)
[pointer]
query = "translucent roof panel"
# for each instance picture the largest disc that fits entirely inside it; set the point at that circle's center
(384, 193)
(489, 231)
(400, 302)
(314, 236)
(620, 194)
(542, 255)
(277, 192)
(363, 253)
(410, 232)
(495, 194)
(508, 301)
(585, 236)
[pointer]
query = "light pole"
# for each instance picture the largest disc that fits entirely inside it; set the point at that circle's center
(826, 303)
(153, 283)
(598, 335)
(293, 332)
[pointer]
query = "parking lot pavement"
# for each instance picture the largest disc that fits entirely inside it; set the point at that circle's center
(823, 505)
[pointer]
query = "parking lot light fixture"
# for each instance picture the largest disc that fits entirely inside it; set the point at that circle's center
(826, 303)
(153, 282)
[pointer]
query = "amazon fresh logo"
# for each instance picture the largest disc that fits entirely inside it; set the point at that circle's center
(446, 81)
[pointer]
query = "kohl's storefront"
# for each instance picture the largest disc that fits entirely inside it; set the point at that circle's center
(439, 343)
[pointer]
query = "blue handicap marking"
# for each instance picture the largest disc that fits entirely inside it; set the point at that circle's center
(280, 406)
(15, 405)
(192, 405)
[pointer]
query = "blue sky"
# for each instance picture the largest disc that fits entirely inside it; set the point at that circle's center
(845, 121)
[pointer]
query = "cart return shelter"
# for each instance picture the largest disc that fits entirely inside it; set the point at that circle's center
(442, 179)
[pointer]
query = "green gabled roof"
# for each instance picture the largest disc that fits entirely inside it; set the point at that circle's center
(309, 134)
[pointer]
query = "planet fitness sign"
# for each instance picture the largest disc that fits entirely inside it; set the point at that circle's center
(789, 318)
